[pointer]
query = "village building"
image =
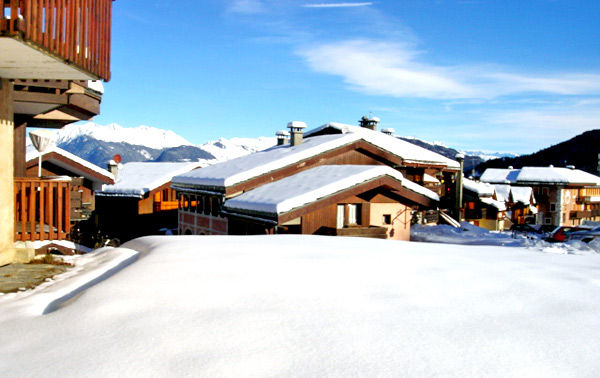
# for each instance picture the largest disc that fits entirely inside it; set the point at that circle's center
(84, 177)
(336, 180)
(141, 201)
(565, 196)
(47, 68)
(483, 206)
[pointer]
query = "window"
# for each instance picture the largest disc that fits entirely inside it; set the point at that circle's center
(216, 206)
(387, 219)
(352, 214)
(547, 220)
(553, 206)
(200, 205)
(340, 216)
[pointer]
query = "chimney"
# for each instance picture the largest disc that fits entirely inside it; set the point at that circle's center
(296, 131)
(460, 157)
(389, 131)
(282, 137)
(369, 122)
(113, 167)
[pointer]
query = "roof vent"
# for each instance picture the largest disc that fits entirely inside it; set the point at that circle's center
(282, 137)
(571, 166)
(388, 131)
(369, 122)
(297, 132)
(510, 167)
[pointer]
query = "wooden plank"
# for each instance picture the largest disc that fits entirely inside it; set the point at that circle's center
(67, 212)
(60, 208)
(43, 98)
(31, 210)
(42, 206)
(51, 233)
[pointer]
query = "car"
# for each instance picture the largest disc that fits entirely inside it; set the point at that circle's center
(585, 236)
(560, 233)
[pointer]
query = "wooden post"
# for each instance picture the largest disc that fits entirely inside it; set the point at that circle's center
(20, 139)
(7, 198)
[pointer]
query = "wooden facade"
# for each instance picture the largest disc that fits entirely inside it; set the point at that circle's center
(42, 209)
(77, 32)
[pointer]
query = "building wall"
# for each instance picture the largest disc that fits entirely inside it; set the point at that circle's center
(399, 228)
(200, 215)
(7, 200)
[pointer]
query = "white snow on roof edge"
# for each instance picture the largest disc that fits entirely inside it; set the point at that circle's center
(311, 185)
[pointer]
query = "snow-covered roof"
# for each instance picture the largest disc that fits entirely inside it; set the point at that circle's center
(407, 151)
(244, 168)
(499, 176)
(523, 194)
(311, 185)
(557, 175)
(543, 175)
(430, 179)
(501, 206)
(502, 192)
(32, 154)
(482, 189)
(138, 178)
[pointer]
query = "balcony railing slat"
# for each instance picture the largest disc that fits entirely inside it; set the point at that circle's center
(79, 31)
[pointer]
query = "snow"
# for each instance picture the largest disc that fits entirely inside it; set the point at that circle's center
(227, 149)
(96, 85)
(499, 176)
(480, 188)
(142, 135)
(523, 194)
(31, 154)
(138, 178)
(502, 192)
(311, 185)
(241, 169)
(430, 179)
(542, 175)
(299, 306)
(500, 205)
(409, 152)
(556, 175)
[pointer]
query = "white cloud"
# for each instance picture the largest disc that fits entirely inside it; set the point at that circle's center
(337, 5)
(393, 69)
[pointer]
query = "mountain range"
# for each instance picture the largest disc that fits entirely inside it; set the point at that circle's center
(98, 144)
(581, 151)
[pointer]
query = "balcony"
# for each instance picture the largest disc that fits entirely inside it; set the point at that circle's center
(42, 208)
(55, 39)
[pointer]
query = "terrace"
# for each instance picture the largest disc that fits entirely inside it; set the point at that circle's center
(55, 39)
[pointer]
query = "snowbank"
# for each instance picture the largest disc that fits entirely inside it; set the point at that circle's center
(316, 306)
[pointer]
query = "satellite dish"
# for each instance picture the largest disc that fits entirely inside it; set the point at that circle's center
(43, 140)
(117, 158)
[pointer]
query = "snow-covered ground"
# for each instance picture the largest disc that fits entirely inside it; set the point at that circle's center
(472, 235)
(308, 306)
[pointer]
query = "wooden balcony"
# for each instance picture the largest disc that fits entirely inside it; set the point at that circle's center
(42, 208)
(55, 39)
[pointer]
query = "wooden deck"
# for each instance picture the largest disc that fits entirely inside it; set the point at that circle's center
(42, 209)
(76, 31)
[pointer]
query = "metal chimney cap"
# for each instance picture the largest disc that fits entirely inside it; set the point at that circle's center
(374, 118)
(460, 156)
(282, 133)
(296, 125)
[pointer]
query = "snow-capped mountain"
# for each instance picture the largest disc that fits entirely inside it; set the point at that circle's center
(148, 136)
(98, 144)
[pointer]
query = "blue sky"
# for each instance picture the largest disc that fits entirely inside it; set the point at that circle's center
(511, 76)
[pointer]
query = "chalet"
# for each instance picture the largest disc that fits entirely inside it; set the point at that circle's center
(50, 54)
(565, 196)
(85, 178)
(336, 180)
(141, 200)
(483, 206)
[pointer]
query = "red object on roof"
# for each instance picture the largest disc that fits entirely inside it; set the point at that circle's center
(117, 158)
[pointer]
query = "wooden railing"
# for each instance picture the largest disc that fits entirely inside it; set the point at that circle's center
(78, 31)
(42, 209)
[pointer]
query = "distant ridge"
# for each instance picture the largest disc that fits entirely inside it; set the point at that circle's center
(580, 151)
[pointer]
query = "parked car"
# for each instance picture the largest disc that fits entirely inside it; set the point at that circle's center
(560, 233)
(585, 236)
